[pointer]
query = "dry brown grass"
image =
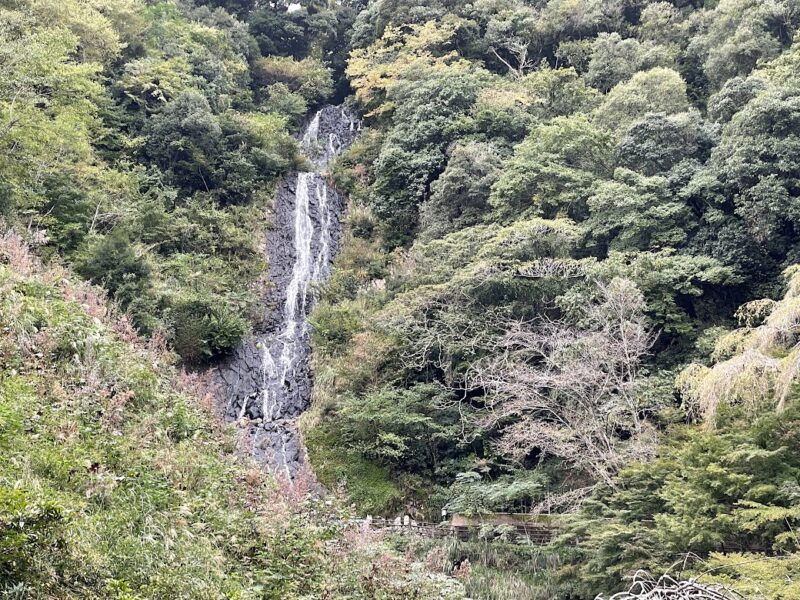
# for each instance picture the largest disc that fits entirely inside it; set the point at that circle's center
(14, 252)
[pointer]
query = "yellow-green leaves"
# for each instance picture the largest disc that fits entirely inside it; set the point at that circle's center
(756, 368)
(398, 55)
(656, 90)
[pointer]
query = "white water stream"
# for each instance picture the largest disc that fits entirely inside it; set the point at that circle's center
(287, 347)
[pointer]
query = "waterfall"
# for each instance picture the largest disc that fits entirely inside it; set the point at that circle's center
(268, 381)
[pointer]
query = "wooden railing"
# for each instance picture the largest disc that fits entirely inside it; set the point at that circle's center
(406, 525)
(539, 529)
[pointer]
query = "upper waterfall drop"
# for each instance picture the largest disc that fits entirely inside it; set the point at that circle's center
(267, 383)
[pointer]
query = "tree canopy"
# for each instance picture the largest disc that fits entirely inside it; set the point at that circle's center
(568, 272)
(527, 163)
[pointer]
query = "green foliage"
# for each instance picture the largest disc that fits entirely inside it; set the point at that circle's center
(756, 163)
(307, 78)
(553, 170)
(407, 428)
(742, 32)
(227, 155)
(203, 329)
(756, 575)
(733, 97)
(25, 528)
(179, 105)
(782, 70)
(45, 98)
(634, 212)
(670, 282)
(115, 264)
(183, 139)
(518, 153)
(116, 480)
(731, 485)
(658, 143)
(282, 101)
(413, 153)
(708, 491)
(284, 28)
(663, 154)
(515, 492)
(615, 59)
(370, 486)
(494, 569)
(459, 196)
(657, 90)
(515, 154)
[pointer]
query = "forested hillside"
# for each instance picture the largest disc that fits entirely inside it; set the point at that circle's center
(118, 482)
(139, 146)
(568, 285)
(143, 139)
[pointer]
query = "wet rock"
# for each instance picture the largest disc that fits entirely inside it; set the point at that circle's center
(268, 379)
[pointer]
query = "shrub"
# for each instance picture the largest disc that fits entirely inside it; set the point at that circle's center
(204, 329)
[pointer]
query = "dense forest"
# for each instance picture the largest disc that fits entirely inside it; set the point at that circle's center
(569, 285)
(140, 145)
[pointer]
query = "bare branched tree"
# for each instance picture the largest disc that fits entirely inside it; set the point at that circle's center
(666, 587)
(519, 49)
(571, 391)
(438, 326)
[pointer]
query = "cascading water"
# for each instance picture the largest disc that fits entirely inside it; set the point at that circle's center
(267, 383)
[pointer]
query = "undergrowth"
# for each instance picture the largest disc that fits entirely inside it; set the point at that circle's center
(116, 481)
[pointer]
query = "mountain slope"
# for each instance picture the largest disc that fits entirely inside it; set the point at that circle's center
(117, 482)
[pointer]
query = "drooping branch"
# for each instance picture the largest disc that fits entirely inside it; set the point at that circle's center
(644, 587)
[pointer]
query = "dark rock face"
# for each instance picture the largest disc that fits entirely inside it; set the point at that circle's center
(267, 382)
